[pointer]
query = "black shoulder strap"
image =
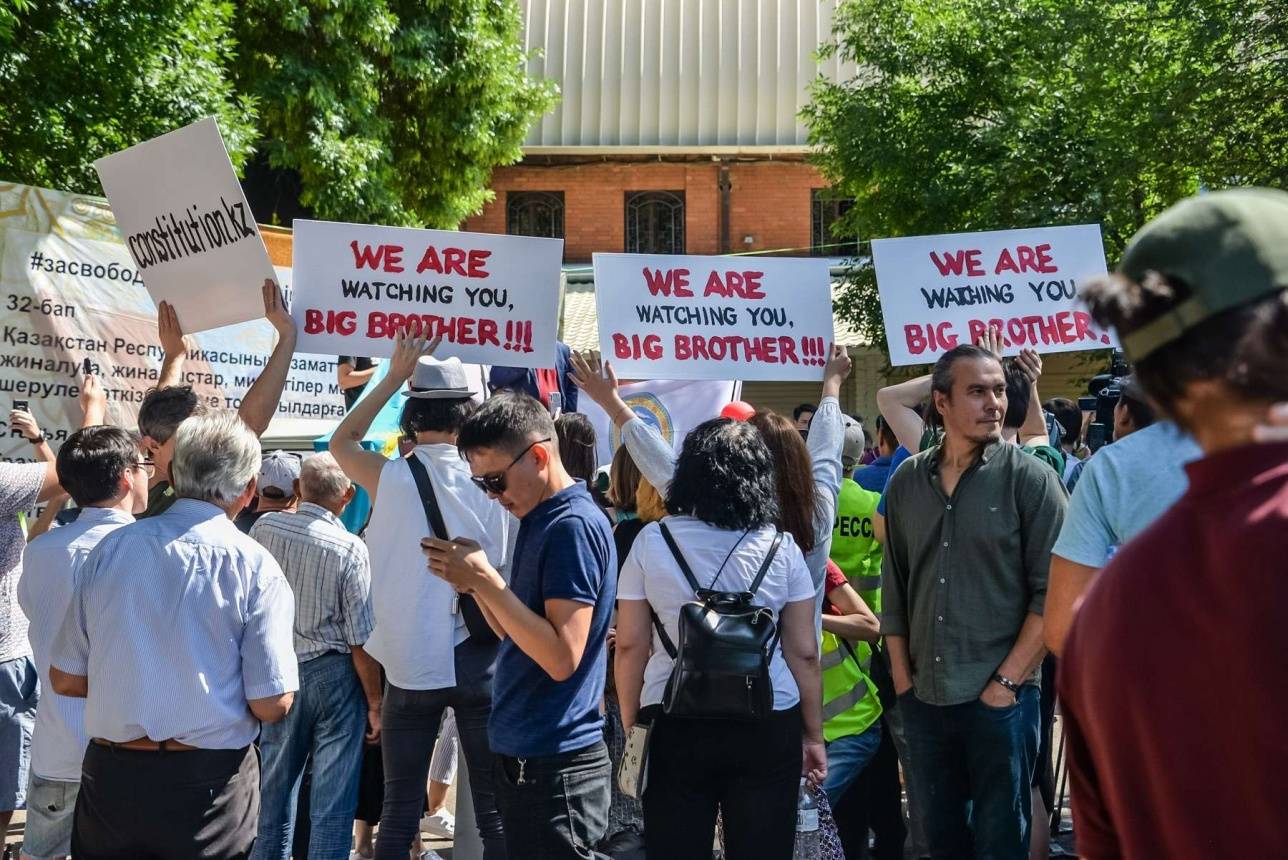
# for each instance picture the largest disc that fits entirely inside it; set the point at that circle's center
(679, 558)
(425, 487)
(764, 565)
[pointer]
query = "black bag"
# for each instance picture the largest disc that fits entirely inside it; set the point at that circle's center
(480, 631)
(721, 669)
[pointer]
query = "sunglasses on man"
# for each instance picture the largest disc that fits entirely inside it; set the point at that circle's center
(495, 483)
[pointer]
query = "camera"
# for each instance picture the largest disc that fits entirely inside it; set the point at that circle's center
(1105, 389)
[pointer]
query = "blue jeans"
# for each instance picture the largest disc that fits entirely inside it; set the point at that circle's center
(973, 767)
(327, 721)
(846, 759)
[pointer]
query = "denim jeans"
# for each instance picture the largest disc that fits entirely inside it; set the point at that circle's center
(409, 724)
(846, 759)
(555, 807)
(973, 767)
(327, 721)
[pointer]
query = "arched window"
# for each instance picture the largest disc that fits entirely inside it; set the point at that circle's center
(535, 213)
(655, 222)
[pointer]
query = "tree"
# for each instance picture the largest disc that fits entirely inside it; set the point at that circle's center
(993, 114)
(79, 81)
(388, 111)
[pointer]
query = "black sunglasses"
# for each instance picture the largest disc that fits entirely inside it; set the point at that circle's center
(495, 483)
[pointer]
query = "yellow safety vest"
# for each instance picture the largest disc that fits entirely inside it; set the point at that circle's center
(850, 701)
(855, 548)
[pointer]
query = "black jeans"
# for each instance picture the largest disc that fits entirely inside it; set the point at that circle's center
(555, 807)
(409, 724)
(139, 805)
(749, 771)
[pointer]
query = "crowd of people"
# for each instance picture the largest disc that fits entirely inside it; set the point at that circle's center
(198, 659)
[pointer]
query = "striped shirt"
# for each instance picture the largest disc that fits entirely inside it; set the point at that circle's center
(20, 485)
(329, 573)
(178, 620)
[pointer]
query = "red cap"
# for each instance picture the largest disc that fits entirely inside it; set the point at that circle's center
(738, 410)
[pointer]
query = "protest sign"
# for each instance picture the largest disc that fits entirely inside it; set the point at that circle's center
(672, 407)
(69, 292)
(689, 317)
(939, 291)
(494, 299)
(188, 227)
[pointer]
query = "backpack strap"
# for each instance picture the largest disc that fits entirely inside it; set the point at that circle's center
(764, 566)
(661, 634)
(679, 558)
(425, 489)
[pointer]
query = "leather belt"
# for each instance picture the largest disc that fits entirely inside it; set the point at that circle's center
(145, 745)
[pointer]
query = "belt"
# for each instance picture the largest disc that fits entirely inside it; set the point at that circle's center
(145, 745)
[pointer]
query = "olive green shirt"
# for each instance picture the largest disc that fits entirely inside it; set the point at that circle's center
(961, 574)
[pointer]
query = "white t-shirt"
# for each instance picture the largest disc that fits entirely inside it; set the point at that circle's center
(415, 632)
(650, 573)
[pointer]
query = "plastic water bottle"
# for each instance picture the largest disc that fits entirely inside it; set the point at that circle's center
(809, 840)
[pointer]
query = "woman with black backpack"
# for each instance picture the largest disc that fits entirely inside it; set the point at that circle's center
(717, 654)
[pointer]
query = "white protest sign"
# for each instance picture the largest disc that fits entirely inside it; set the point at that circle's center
(494, 299)
(690, 317)
(188, 226)
(939, 291)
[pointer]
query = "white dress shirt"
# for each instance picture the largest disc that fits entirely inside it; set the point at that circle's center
(416, 632)
(178, 620)
(50, 571)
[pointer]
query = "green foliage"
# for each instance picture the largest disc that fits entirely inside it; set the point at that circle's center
(992, 114)
(390, 112)
(82, 80)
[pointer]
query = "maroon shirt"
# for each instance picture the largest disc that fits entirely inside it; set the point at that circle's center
(1175, 678)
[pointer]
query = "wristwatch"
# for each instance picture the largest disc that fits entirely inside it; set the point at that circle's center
(38, 439)
(1007, 683)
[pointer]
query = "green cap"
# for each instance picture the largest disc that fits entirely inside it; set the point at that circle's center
(1229, 247)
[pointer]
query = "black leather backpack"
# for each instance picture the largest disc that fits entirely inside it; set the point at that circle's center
(721, 669)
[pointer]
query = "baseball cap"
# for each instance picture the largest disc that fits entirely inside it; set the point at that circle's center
(852, 449)
(1229, 248)
(278, 471)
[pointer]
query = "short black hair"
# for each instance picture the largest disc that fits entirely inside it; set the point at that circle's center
(1068, 416)
(1132, 399)
(725, 476)
(941, 377)
(506, 421)
(885, 433)
(92, 460)
(437, 415)
(164, 409)
(802, 409)
(1018, 394)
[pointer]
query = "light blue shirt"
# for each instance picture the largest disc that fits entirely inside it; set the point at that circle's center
(178, 620)
(1125, 487)
(50, 570)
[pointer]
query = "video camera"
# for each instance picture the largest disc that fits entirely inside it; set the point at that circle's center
(1104, 390)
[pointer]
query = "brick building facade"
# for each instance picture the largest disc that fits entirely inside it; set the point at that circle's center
(730, 204)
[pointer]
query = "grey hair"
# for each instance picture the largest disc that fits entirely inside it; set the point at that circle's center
(215, 457)
(321, 478)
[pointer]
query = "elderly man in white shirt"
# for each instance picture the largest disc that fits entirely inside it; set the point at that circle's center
(107, 477)
(179, 634)
(432, 659)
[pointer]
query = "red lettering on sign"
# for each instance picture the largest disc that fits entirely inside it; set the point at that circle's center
(672, 282)
(958, 261)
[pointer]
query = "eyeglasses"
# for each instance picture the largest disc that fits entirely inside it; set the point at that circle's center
(495, 482)
(149, 468)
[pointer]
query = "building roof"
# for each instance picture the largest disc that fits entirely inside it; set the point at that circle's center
(678, 73)
(580, 322)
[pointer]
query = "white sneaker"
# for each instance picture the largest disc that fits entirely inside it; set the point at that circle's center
(440, 825)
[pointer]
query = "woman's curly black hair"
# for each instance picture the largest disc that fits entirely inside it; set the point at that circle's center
(725, 477)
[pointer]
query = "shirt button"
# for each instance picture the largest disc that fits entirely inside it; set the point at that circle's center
(942, 580)
(939, 659)
(949, 508)
(940, 618)
(945, 543)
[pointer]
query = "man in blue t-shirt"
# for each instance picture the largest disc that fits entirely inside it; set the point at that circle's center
(553, 617)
